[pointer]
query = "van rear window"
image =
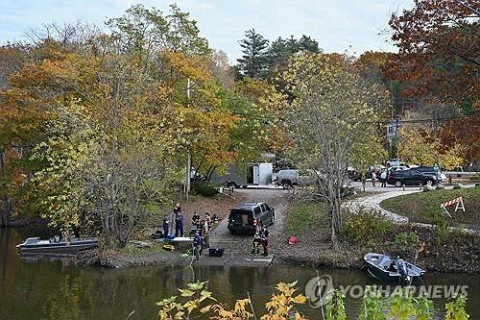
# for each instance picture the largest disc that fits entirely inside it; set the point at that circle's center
(237, 212)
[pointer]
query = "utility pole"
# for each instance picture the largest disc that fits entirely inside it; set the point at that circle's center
(189, 157)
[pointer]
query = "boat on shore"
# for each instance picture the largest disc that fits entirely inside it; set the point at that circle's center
(393, 270)
(56, 246)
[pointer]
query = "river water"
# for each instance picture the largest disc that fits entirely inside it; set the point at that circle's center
(53, 289)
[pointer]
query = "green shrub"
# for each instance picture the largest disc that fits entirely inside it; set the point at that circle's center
(366, 228)
(346, 192)
(405, 241)
(205, 190)
(441, 234)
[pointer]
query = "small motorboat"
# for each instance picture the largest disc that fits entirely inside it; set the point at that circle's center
(394, 270)
(56, 246)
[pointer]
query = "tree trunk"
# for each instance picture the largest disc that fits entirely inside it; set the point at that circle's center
(335, 219)
(210, 172)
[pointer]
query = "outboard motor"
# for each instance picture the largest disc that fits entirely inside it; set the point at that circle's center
(403, 270)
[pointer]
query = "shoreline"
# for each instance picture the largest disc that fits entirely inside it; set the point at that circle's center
(443, 259)
(459, 255)
(346, 258)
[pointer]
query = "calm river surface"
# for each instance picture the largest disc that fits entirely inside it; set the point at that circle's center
(56, 290)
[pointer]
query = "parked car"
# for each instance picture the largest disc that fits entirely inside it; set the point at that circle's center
(395, 162)
(431, 170)
(247, 216)
(353, 174)
(290, 177)
(396, 168)
(411, 177)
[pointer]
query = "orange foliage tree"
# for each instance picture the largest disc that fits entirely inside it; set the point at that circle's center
(438, 63)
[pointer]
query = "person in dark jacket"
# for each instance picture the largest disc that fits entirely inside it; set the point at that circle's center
(177, 208)
(166, 225)
(195, 218)
(178, 224)
(197, 245)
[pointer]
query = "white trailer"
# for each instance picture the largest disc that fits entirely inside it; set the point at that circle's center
(245, 174)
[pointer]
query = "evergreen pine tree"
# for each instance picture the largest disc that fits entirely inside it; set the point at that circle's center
(253, 62)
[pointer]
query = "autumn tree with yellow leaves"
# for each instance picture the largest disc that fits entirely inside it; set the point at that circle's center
(105, 122)
(421, 145)
(332, 122)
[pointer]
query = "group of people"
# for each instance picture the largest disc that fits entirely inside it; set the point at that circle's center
(382, 176)
(200, 228)
(201, 231)
(177, 215)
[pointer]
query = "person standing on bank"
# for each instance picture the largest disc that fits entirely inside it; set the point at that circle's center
(195, 218)
(374, 178)
(383, 177)
(166, 225)
(257, 241)
(208, 219)
(197, 245)
(206, 233)
(177, 208)
(264, 238)
(178, 224)
(173, 215)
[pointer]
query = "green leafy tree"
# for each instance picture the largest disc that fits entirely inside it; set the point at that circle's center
(281, 49)
(331, 121)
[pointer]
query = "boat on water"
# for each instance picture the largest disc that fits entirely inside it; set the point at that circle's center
(393, 270)
(56, 246)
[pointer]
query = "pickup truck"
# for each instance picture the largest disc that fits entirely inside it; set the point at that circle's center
(290, 177)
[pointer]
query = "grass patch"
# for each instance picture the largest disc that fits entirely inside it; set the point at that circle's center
(425, 206)
(304, 216)
(132, 251)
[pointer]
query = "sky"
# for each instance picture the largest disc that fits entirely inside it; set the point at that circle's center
(351, 26)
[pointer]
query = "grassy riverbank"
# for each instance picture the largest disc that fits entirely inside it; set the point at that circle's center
(308, 222)
(424, 207)
(445, 250)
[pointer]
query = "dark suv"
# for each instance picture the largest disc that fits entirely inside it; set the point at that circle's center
(411, 177)
(247, 216)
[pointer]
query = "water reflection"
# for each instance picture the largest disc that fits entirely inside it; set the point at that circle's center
(46, 289)
(4, 241)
